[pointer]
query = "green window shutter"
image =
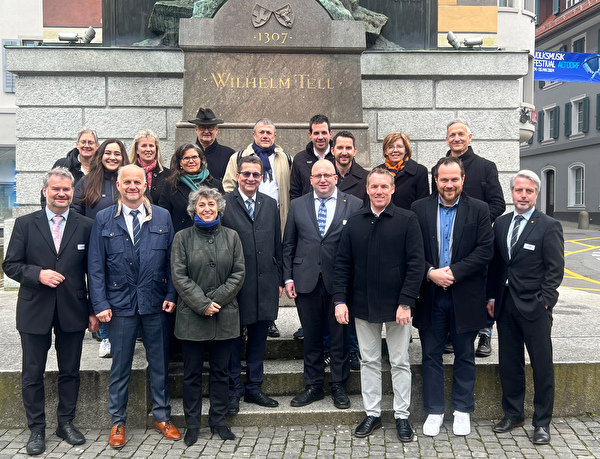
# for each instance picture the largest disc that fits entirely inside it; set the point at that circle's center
(568, 110)
(586, 114)
(555, 6)
(540, 125)
(541, 84)
(556, 122)
(598, 111)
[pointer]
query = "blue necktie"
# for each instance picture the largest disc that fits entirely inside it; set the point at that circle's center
(322, 216)
(136, 234)
(250, 206)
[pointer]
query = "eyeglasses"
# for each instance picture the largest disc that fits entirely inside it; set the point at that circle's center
(189, 159)
(87, 142)
(206, 128)
(322, 176)
(247, 174)
(395, 148)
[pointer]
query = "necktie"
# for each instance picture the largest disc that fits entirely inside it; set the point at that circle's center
(515, 232)
(56, 220)
(322, 216)
(250, 206)
(136, 234)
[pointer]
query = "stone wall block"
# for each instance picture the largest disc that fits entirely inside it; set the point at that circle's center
(504, 154)
(33, 156)
(145, 92)
(61, 91)
(477, 94)
(427, 125)
(492, 124)
(48, 123)
(173, 117)
(126, 122)
(397, 94)
(29, 186)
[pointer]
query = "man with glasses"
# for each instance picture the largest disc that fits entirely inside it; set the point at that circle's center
(255, 217)
(217, 155)
(310, 245)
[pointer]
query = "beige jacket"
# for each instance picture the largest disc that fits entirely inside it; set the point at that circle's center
(282, 174)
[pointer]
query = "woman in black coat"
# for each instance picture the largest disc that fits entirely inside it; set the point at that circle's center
(189, 170)
(145, 152)
(410, 178)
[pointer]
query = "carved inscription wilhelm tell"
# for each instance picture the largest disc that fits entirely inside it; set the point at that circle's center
(281, 59)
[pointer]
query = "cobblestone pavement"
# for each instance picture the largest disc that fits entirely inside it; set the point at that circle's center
(571, 438)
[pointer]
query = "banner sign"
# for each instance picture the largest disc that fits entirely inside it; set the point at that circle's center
(568, 67)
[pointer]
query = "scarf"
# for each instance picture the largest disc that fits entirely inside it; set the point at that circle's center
(263, 154)
(206, 225)
(398, 167)
(194, 181)
(148, 170)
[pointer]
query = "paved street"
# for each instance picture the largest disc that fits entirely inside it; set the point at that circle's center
(571, 438)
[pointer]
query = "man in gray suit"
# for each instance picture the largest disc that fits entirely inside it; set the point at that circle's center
(310, 243)
(255, 217)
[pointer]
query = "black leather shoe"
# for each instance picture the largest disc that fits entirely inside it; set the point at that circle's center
(405, 432)
(70, 434)
(191, 436)
(506, 425)
(484, 348)
(299, 334)
(310, 394)
(354, 361)
(273, 331)
(233, 406)
(260, 399)
(224, 432)
(36, 444)
(541, 436)
(340, 399)
(367, 426)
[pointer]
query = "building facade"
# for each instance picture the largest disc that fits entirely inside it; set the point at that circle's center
(564, 150)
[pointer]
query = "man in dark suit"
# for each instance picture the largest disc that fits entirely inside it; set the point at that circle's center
(458, 240)
(310, 244)
(255, 217)
(524, 276)
(352, 177)
(47, 254)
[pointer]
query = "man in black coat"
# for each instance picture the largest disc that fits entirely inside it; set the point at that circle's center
(352, 177)
(481, 182)
(458, 241)
(381, 257)
(47, 255)
(206, 125)
(255, 217)
(524, 276)
(310, 243)
(319, 147)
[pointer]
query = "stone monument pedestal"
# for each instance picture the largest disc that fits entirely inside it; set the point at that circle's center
(286, 63)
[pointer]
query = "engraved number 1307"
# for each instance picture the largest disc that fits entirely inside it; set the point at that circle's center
(276, 37)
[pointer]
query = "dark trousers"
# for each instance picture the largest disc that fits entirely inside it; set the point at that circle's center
(123, 332)
(432, 345)
(315, 309)
(219, 353)
(35, 354)
(256, 343)
(514, 331)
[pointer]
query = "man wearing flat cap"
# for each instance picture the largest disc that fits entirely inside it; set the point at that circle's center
(206, 126)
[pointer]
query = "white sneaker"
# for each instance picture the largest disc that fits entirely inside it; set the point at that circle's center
(462, 424)
(432, 425)
(105, 348)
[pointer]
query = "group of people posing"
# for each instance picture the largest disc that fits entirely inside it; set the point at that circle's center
(198, 254)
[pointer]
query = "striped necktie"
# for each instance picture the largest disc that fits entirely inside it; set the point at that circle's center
(136, 234)
(515, 233)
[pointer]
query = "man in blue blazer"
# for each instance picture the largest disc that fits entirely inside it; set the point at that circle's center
(458, 241)
(131, 289)
(310, 243)
(524, 276)
(47, 254)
